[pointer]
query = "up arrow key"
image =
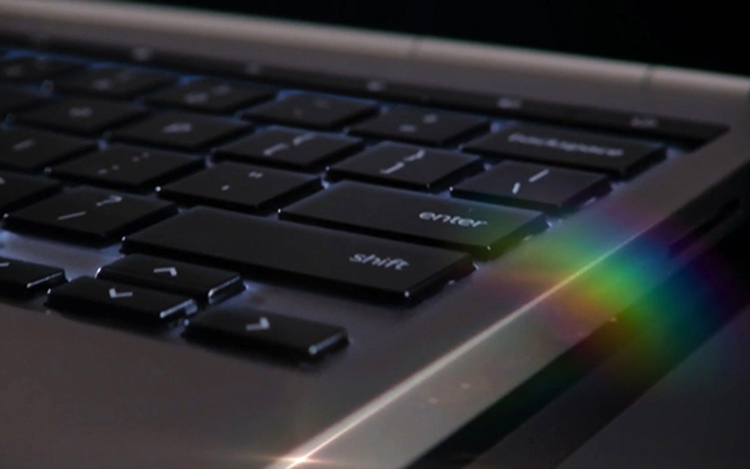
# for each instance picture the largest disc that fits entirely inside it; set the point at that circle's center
(114, 294)
(261, 325)
(163, 270)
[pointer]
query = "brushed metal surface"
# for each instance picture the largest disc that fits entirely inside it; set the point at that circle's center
(84, 396)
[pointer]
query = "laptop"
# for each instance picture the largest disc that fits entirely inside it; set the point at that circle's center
(242, 241)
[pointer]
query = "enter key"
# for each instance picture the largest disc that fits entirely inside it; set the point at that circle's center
(483, 230)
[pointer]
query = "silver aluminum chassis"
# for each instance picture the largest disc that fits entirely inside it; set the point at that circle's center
(394, 427)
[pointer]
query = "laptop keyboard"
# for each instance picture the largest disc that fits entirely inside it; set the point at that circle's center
(363, 189)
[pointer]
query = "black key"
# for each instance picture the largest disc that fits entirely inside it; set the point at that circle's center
(127, 167)
(32, 150)
(189, 132)
(266, 332)
(272, 249)
(616, 156)
(287, 148)
(88, 215)
(102, 299)
(19, 279)
(407, 166)
(12, 99)
(647, 125)
(307, 110)
(241, 187)
(34, 69)
(631, 123)
(114, 82)
(204, 284)
(17, 190)
(534, 186)
(420, 126)
(82, 116)
(212, 96)
(370, 88)
(483, 230)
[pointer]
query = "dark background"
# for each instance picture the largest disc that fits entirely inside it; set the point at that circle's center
(706, 35)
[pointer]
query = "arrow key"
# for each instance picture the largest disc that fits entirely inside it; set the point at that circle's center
(107, 300)
(204, 284)
(265, 332)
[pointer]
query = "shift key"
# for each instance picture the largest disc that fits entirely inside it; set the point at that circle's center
(483, 230)
(281, 251)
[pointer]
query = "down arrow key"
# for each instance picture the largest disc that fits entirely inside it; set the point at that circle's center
(281, 335)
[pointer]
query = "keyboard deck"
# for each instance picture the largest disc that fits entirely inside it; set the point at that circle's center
(152, 198)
